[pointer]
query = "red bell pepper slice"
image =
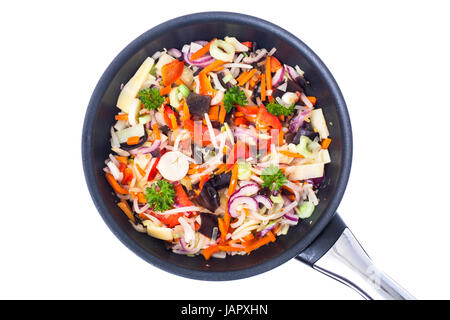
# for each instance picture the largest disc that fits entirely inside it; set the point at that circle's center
(172, 71)
(265, 119)
(167, 111)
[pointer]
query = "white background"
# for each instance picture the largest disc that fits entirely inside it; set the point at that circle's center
(391, 60)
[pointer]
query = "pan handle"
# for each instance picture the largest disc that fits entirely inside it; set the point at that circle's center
(337, 254)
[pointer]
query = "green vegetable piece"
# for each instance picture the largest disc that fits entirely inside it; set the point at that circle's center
(244, 172)
(150, 98)
(303, 147)
(278, 110)
(160, 196)
(273, 177)
(184, 90)
(277, 199)
(145, 119)
(234, 96)
(305, 210)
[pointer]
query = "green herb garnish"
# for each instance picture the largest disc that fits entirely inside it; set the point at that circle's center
(234, 96)
(278, 110)
(273, 177)
(151, 98)
(160, 196)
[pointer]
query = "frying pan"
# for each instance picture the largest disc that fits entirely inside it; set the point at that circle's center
(323, 241)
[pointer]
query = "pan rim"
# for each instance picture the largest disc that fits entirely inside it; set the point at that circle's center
(127, 53)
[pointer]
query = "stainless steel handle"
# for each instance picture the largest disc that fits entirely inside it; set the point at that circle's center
(347, 262)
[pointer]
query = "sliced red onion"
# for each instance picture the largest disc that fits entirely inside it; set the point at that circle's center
(290, 222)
(144, 150)
(247, 190)
(291, 72)
(200, 62)
(291, 216)
(298, 121)
(288, 208)
(266, 230)
(264, 201)
(278, 77)
(237, 201)
(175, 53)
(201, 42)
(136, 206)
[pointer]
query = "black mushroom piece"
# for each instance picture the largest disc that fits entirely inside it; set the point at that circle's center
(207, 224)
(220, 181)
(305, 130)
(293, 86)
(142, 140)
(198, 104)
(209, 197)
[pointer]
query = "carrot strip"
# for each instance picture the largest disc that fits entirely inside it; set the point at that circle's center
(222, 114)
(126, 209)
(156, 131)
(213, 113)
(141, 171)
(115, 185)
(166, 90)
(268, 75)
(173, 121)
(280, 137)
(123, 117)
(247, 77)
(187, 114)
(122, 159)
(290, 154)
(312, 99)
(326, 143)
(141, 198)
(263, 87)
(133, 140)
(242, 76)
(230, 248)
(214, 65)
(208, 252)
(260, 242)
(199, 53)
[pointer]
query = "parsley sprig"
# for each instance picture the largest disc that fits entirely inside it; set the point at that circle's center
(160, 195)
(278, 110)
(273, 178)
(234, 96)
(151, 98)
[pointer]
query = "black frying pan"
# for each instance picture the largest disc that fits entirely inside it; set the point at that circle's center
(323, 241)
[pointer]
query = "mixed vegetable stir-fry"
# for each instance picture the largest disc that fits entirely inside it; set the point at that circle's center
(217, 149)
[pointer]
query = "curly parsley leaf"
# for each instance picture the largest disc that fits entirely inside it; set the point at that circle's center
(234, 96)
(278, 110)
(151, 98)
(160, 196)
(273, 177)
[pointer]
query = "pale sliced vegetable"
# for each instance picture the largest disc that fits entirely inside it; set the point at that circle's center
(133, 111)
(162, 61)
(187, 77)
(173, 98)
(222, 50)
(305, 171)
(318, 122)
(305, 210)
(145, 119)
(173, 166)
(131, 89)
(239, 47)
(324, 156)
(244, 172)
(134, 131)
(158, 232)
